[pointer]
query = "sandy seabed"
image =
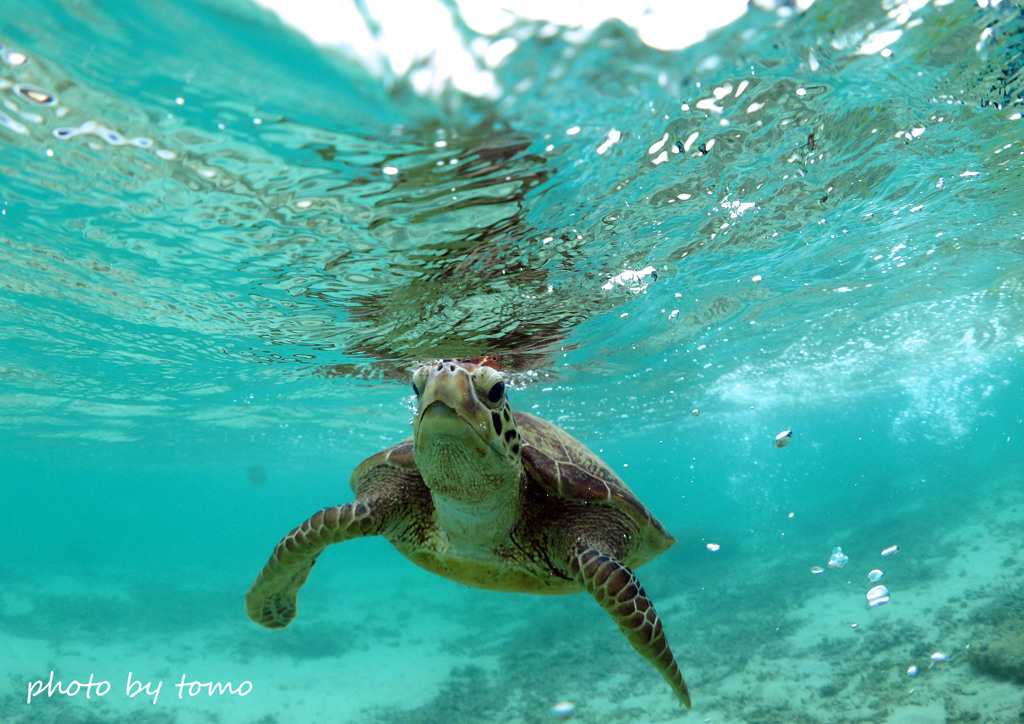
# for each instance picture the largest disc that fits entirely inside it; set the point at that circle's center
(757, 642)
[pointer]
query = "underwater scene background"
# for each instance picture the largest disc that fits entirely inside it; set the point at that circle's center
(223, 248)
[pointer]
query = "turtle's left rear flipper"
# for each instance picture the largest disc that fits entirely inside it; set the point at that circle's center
(617, 589)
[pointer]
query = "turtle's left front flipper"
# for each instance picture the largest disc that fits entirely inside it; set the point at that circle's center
(271, 601)
(617, 589)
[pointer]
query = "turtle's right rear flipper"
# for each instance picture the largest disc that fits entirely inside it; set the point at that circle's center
(616, 588)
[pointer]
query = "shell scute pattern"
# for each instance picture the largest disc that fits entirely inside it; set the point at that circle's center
(565, 467)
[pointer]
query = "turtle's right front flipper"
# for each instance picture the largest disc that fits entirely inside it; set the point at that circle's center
(271, 601)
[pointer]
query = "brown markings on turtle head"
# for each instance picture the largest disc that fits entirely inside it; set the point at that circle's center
(484, 397)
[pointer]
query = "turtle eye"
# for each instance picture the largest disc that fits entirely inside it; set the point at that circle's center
(496, 392)
(418, 378)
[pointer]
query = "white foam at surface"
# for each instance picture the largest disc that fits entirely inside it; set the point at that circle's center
(423, 35)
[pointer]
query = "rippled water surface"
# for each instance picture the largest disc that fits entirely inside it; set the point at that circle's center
(223, 249)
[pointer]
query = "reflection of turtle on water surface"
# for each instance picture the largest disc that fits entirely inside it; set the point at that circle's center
(492, 499)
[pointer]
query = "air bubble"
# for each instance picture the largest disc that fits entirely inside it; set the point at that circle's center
(838, 559)
(111, 136)
(563, 710)
(877, 596)
(34, 94)
(13, 57)
(8, 122)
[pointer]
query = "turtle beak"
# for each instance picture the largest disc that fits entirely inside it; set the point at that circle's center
(448, 405)
(440, 420)
(452, 389)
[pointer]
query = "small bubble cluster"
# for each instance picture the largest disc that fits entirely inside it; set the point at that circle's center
(24, 97)
(104, 133)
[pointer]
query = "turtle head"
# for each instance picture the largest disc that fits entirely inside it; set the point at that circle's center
(465, 439)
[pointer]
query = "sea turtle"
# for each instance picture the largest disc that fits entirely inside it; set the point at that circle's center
(494, 499)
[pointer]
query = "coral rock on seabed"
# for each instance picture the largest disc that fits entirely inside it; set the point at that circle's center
(997, 647)
(1001, 656)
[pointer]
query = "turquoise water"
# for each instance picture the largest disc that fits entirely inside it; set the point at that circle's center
(222, 250)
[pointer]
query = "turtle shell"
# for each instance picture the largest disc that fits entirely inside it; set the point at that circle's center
(567, 468)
